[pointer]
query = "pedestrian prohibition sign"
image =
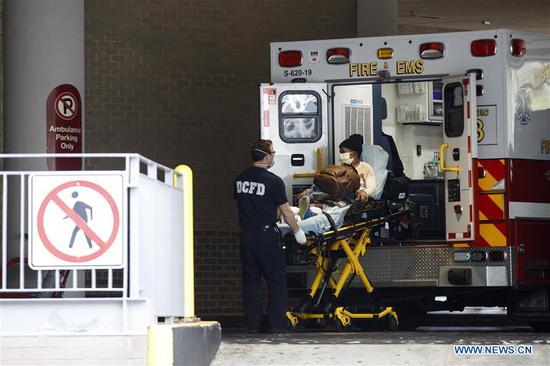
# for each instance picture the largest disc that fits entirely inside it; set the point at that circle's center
(76, 221)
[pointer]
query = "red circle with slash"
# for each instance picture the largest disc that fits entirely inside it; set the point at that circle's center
(53, 198)
(61, 102)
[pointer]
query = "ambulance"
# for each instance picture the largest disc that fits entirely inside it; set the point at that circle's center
(469, 114)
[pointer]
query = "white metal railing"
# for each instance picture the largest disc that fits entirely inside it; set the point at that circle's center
(155, 221)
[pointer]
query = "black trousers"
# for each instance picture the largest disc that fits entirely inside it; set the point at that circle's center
(263, 255)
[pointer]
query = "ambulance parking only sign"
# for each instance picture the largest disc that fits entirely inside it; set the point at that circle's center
(76, 221)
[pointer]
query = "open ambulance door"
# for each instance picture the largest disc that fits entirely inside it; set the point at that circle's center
(294, 117)
(457, 152)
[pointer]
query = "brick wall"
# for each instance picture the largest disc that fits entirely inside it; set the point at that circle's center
(177, 81)
(218, 275)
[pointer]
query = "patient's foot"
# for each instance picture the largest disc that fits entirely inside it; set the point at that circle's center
(303, 205)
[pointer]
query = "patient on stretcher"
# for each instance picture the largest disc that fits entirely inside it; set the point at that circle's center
(317, 222)
(312, 219)
(351, 150)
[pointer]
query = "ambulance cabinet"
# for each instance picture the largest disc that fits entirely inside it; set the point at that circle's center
(419, 102)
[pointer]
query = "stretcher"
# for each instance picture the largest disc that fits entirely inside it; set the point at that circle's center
(335, 254)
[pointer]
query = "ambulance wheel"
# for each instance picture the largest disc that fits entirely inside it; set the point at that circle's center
(408, 321)
(410, 316)
(540, 326)
(391, 324)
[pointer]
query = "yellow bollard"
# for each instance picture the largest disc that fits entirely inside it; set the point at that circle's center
(188, 242)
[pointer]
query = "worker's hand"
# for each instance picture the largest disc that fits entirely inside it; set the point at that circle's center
(300, 237)
(362, 195)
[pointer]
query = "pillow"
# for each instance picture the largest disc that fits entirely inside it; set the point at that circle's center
(377, 158)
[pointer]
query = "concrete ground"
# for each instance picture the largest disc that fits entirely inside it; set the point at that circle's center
(428, 345)
(73, 350)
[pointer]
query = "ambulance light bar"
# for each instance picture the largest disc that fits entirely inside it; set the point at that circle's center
(518, 47)
(479, 256)
(461, 256)
(431, 50)
(385, 53)
(483, 47)
(337, 56)
(290, 58)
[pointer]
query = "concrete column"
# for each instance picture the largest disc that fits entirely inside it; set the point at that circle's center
(376, 18)
(44, 48)
(43, 67)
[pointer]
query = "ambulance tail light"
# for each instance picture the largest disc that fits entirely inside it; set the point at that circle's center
(337, 56)
(479, 256)
(458, 209)
(480, 90)
(478, 72)
(497, 256)
(483, 47)
(290, 58)
(518, 47)
(432, 50)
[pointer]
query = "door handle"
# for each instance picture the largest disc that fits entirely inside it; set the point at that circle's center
(442, 166)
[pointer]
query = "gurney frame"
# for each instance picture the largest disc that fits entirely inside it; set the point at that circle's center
(352, 240)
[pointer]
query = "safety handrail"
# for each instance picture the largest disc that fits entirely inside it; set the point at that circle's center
(442, 166)
(319, 153)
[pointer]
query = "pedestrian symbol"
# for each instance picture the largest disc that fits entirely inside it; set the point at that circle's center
(80, 209)
(76, 222)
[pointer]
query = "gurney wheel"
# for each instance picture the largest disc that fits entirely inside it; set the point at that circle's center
(341, 327)
(291, 321)
(392, 324)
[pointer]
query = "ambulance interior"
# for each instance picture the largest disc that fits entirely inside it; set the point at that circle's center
(411, 113)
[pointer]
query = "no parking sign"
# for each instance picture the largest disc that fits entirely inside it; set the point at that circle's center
(76, 221)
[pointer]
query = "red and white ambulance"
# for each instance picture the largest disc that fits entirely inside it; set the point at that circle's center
(469, 113)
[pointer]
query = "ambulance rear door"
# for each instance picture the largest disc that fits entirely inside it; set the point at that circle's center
(294, 117)
(457, 152)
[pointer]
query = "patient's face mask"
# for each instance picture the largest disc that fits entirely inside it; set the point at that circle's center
(346, 158)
